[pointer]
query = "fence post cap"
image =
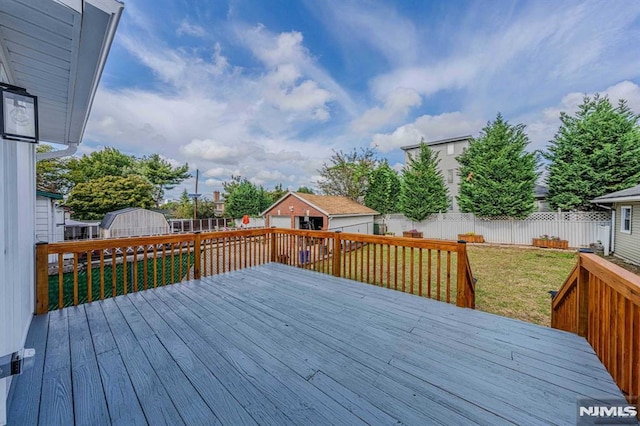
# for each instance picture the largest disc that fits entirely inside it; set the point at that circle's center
(462, 241)
(40, 243)
(197, 232)
(337, 232)
(585, 250)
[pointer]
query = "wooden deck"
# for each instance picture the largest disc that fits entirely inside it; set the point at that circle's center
(281, 345)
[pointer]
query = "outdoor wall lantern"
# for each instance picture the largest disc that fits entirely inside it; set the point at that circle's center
(18, 114)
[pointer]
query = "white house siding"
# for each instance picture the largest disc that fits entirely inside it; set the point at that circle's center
(628, 245)
(17, 258)
(354, 224)
(48, 217)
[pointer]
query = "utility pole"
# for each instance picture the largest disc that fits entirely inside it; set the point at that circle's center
(195, 199)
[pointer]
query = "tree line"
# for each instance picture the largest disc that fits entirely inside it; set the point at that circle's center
(594, 152)
(108, 180)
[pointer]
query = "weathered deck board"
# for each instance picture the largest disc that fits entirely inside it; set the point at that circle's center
(281, 345)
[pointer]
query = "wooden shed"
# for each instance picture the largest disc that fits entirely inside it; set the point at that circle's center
(133, 222)
(296, 210)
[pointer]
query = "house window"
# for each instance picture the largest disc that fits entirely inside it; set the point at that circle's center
(450, 149)
(625, 219)
(450, 175)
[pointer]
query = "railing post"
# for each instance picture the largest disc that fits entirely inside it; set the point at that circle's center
(197, 254)
(337, 253)
(42, 277)
(462, 290)
(583, 295)
(274, 246)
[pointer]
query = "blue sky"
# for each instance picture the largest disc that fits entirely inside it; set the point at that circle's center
(267, 89)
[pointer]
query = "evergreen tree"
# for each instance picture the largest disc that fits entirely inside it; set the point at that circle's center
(305, 190)
(497, 174)
(423, 191)
(595, 152)
(162, 174)
(277, 193)
(383, 194)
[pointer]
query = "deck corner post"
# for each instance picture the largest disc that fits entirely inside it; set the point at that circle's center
(197, 242)
(42, 277)
(462, 285)
(583, 297)
(337, 253)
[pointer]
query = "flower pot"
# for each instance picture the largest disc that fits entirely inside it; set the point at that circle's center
(471, 238)
(410, 234)
(546, 243)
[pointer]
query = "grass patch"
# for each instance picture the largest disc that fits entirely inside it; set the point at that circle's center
(514, 282)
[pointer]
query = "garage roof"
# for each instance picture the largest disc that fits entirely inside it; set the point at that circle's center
(330, 205)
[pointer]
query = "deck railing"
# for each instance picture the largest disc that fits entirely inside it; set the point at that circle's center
(601, 302)
(96, 269)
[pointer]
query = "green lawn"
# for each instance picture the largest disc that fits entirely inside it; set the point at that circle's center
(514, 282)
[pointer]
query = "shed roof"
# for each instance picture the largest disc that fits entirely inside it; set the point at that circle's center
(51, 195)
(629, 194)
(331, 205)
(108, 218)
(438, 142)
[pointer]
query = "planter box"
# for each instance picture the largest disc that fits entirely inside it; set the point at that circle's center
(412, 234)
(471, 238)
(558, 244)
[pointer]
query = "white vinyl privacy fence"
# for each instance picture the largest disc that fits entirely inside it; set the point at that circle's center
(579, 228)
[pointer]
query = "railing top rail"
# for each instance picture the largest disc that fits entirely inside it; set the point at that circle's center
(444, 245)
(624, 282)
(87, 245)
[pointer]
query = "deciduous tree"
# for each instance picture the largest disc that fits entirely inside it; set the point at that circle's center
(243, 197)
(347, 173)
(95, 198)
(98, 164)
(51, 175)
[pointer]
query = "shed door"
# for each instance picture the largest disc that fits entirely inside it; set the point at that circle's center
(280, 221)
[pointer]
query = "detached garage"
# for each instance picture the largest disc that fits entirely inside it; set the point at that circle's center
(297, 210)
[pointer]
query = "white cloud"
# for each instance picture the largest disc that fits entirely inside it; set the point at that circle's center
(190, 29)
(397, 105)
(430, 128)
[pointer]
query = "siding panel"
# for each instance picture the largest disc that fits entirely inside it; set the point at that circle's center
(628, 245)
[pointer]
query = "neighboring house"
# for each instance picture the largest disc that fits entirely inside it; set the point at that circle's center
(56, 50)
(540, 195)
(319, 212)
(49, 217)
(133, 222)
(448, 150)
(625, 238)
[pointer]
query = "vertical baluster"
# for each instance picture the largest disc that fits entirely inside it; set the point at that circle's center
(125, 284)
(449, 276)
(89, 278)
(420, 267)
(135, 268)
(114, 272)
(164, 264)
(60, 280)
(145, 273)
(75, 279)
(429, 273)
(438, 274)
(173, 261)
(155, 266)
(101, 274)
(412, 271)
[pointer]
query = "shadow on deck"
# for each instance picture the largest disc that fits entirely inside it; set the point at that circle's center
(280, 345)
